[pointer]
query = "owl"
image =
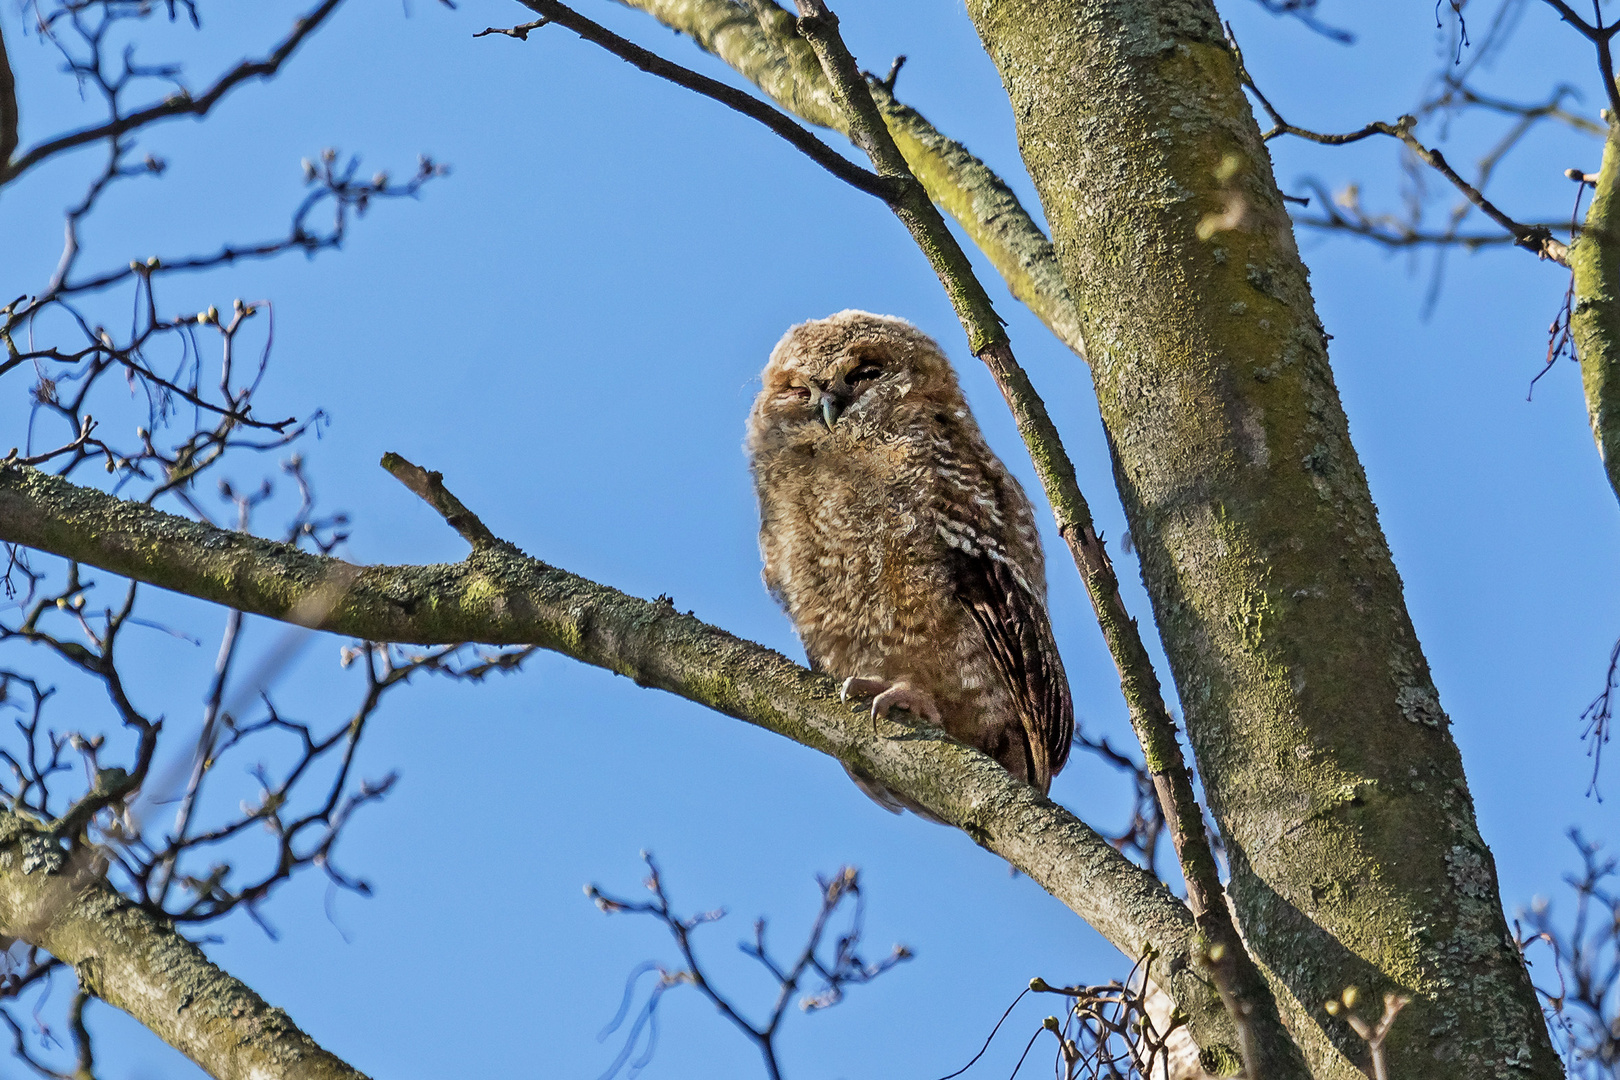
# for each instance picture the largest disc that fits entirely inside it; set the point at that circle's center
(900, 547)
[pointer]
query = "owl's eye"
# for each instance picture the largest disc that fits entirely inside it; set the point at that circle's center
(797, 393)
(864, 373)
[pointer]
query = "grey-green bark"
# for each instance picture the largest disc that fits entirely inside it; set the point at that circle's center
(1325, 752)
(499, 596)
(1594, 314)
(138, 963)
(757, 38)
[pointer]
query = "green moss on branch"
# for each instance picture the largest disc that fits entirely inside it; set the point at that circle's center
(1594, 318)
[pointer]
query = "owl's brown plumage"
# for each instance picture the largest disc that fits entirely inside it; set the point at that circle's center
(904, 553)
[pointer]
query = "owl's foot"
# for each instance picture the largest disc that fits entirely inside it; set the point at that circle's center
(888, 695)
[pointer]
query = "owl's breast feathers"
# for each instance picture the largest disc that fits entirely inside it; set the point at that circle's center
(940, 525)
(898, 543)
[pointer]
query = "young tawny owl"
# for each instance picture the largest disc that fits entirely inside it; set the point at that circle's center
(904, 553)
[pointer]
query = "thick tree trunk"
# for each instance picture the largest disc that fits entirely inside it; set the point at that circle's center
(1323, 746)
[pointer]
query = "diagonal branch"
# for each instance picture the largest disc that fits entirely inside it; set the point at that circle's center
(1265, 1045)
(429, 487)
(758, 40)
(135, 961)
(1600, 36)
(550, 11)
(178, 104)
(499, 596)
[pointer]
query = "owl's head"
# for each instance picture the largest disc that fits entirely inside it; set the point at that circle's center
(853, 374)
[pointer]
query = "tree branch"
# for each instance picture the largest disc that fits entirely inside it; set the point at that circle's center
(1535, 238)
(758, 40)
(551, 11)
(178, 104)
(130, 959)
(499, 596)
(429, 487)
(1594, 318)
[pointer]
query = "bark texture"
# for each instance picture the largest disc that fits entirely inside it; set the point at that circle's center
(500, 596)
(1327, 758)
(129, 959)
(1594, 314)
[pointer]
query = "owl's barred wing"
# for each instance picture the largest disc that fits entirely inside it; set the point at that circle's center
(1018, 637)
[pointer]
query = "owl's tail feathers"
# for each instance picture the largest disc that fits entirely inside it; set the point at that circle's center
(887, 799)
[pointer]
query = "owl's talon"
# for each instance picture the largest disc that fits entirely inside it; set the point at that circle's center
(861, 686)
(888, 695)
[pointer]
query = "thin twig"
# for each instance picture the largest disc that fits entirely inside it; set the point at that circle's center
(179, 103)
(1533, 238)
(429, 486)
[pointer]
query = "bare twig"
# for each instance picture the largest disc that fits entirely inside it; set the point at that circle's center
(521, 31)
(1535, 238)
(843, 968)
(180, 103)
(1599, 719)
(1107, 1031)
(1374, 1033)
(1583, 1012)
(429, 486)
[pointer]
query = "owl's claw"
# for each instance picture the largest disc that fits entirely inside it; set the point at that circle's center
(888, 695)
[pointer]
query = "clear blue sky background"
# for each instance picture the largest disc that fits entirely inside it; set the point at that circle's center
(570, 327)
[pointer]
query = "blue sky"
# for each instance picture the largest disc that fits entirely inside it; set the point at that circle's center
(570, 327)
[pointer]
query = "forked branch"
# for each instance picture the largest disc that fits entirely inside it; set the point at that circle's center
(1536, 238)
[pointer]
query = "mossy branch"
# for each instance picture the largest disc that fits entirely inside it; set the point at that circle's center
(130, 959)
(1594, 315)
(499, 596)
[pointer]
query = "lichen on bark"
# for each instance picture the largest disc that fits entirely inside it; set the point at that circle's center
(1594, 316)
(57, 901)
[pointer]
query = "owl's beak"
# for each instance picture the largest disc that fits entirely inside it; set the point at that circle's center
(830, 408)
